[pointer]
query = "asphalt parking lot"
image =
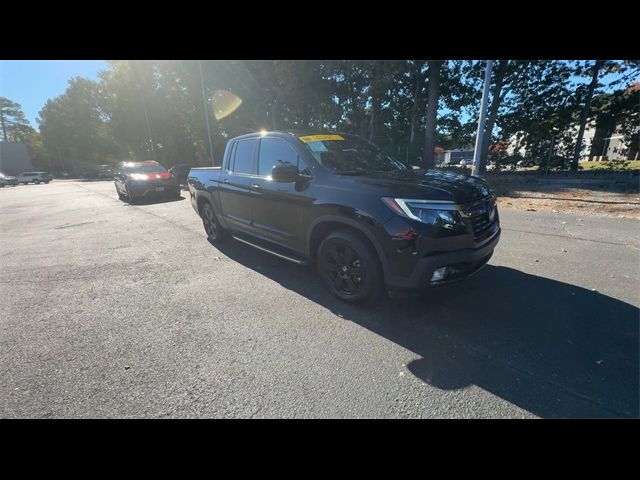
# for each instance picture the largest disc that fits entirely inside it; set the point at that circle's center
(112, 310)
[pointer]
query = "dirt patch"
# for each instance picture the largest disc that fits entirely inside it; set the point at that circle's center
(612, 195)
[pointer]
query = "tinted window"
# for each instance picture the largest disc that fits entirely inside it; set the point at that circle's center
(243, 162)
(274, 151)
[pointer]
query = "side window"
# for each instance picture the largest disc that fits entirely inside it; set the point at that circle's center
(231, 156)
(243, 159)
(274, 151)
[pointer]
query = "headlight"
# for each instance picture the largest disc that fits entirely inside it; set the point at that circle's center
(443, 215)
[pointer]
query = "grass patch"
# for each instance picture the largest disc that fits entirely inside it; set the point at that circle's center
(612, 165)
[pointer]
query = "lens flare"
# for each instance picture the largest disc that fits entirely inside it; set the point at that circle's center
(224, 103)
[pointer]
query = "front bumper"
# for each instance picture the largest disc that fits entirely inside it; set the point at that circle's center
(150, 190)
(465, 262)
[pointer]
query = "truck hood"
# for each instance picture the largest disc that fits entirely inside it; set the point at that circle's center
(430, 185)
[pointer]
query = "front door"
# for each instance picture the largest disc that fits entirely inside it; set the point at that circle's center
(279, 213)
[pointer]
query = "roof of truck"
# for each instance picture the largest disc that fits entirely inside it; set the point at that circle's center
(295, 133)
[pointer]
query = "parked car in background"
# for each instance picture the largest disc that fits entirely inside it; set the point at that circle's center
(368, 221)
(7, 180)
(181, 172)
(105, 171)
(34, 177)
(135, 180)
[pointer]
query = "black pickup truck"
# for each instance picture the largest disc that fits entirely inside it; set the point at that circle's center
(369, 222)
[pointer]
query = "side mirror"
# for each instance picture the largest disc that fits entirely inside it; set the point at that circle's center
(285, 173)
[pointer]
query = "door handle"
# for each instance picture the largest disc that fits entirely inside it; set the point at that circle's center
(226, 180)
(255, 186)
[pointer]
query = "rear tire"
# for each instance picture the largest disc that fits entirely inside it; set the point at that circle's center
(215, 233)
(349, 267)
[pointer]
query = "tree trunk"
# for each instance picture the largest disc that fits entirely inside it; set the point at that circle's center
(493, 114)
(375, 107)
(4, 128)
(428, 159)
(415, 108)
(375, 100)
(585, 114)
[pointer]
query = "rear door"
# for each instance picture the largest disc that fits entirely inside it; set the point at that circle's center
(279, 213)
(236, 196)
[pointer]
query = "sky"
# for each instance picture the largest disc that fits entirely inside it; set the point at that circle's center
(32, 82)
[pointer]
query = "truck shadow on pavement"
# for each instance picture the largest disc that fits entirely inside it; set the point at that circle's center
(554, 349)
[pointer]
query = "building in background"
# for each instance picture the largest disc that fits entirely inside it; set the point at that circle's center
(597, 144)
(14, 158)
(454, 157)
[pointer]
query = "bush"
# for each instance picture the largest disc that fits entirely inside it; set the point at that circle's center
(617, 164)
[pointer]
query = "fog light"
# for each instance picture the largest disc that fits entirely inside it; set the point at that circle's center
(439, 274)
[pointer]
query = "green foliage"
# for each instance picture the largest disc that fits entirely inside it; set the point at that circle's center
(14, 127)
(155, 109)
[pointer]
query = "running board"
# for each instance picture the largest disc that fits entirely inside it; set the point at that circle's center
(280, 255)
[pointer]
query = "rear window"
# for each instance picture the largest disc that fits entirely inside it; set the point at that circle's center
(243, 160)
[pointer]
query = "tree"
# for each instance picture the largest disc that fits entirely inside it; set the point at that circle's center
(432, 110)
(595, 71)
(14, 124)
(536, 104)
(73, 128)
(496, 98)
(419, 81)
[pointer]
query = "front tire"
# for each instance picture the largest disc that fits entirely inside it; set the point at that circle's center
(215, 233)
(120, 195)
(349, 267)
(130, 198)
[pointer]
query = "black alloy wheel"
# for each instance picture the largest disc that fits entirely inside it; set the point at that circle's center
(210, 223)
(349, 267)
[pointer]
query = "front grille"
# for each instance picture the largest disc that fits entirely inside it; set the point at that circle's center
(481, 221)
(481, 227)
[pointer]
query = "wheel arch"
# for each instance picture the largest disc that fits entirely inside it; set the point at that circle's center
(322, 226)
(200, 202)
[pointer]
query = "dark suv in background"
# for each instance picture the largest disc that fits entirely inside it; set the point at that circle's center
(181, 172)
(148, 179)
(367, 220)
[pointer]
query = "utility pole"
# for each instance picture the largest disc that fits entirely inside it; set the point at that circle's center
(206, 113)
(136, 77)
(477, 153)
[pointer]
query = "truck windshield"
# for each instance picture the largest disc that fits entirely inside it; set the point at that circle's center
(345, 154)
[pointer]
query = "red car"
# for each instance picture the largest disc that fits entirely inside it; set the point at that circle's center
(135, 180)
